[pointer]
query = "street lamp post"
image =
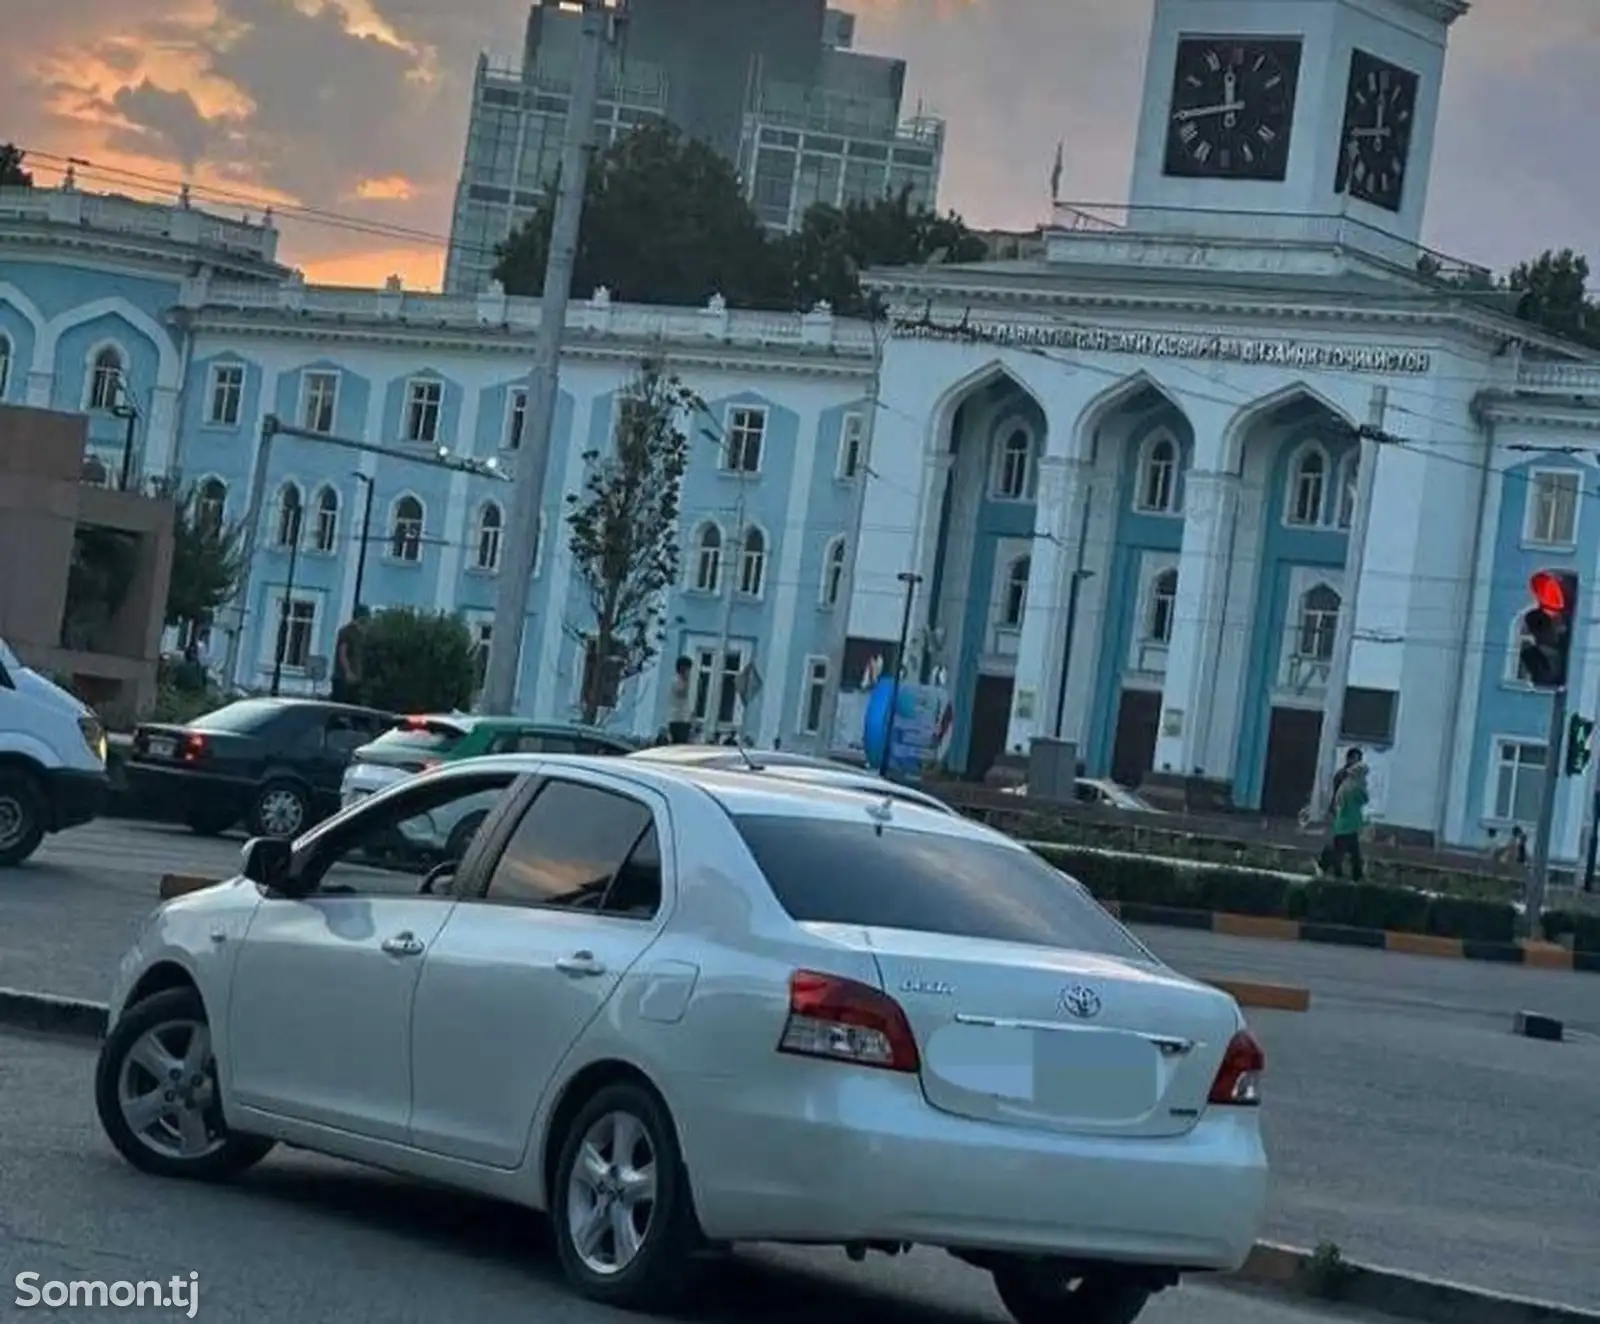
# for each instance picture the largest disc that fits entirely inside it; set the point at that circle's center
(125, 410)
(910, 579)
(366, 534)
(283, 607)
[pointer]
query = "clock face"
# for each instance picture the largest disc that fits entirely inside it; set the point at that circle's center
(1380, 111)
(1232, 108)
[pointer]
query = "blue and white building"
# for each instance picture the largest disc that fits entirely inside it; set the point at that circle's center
(1124, 473)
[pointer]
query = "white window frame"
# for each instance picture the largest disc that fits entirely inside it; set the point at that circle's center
(326, 420)
(203, 504)
(1349, 475)
(731, 425)
(325, 520)
(1291, 491)
(94, 400)
(229, 393)
(1001, 451)
(814, 677)
(1147, 453)
(415, 411)
(391, 537)
(827, 593)
(487, 539)
(852, 436)
(1530, 535)
(1153, 605)
(1302, 611)
(762, 560)
(1008, 585)
(516, 420)
(282, 537)
(1514, 677)
(311, 598)
(1499, 747)
(701, 552)
(702, 650)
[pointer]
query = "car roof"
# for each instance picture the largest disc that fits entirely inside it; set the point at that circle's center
(740, 793)
(728, 755)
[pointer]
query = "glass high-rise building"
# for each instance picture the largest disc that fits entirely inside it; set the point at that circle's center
(806, 118)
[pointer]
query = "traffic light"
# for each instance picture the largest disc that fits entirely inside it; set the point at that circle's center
(1580, 737)
(1549, 627)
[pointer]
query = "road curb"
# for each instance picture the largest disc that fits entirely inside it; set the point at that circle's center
(1266, 997)
(44, 1013)
(1293, 1272)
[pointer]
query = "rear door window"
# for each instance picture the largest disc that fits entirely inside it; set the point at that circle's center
(570, 847)
(824, 870)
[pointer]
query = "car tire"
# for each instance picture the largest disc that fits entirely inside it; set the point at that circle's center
(663, 1267)
(170, 1127)
(1036, 1293)
(460, 839)
(210, 823)
(22, 816)
(280, 808)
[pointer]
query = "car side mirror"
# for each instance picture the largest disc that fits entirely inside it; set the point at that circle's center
(267, 861)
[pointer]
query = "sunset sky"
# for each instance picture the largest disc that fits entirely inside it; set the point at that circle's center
(357, 108)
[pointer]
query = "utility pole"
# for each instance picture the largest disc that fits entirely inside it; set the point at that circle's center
(910, 578)
(1539, 873)
(366, 536)
(1344, 634)
(511, 596)
(847, 580)
(284, 605)
(733, 571)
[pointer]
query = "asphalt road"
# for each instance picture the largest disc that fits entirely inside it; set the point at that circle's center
(313, 1241)
(1405, 1122)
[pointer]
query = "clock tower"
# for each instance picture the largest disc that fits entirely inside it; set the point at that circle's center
(1293, 108)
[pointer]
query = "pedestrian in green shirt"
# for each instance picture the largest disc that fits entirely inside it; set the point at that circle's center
(1349, 818)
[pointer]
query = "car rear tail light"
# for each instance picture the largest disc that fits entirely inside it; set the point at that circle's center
(192, 747)
(1238, 1081)
(847, 1021)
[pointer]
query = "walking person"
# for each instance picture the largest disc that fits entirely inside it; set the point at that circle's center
(680, 703)
(1349, 818)
(347, 659)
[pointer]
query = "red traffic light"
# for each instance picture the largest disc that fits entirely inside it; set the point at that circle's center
(1549, 592)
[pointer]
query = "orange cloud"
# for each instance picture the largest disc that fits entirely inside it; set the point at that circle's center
(397, 188)
(418, 268)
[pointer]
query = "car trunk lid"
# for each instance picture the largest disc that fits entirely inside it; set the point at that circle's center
(1049, 1038)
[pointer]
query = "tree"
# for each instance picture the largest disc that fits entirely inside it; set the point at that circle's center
(12, 175)
(664, 222)
(623, 531)
(416, 662)
(834, 246)
(1553, 293)
(207, 561)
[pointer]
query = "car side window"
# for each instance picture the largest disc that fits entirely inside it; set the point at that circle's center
(342, 735)
(544, 742)
(635, 892)
(569, 848)
(599, 747)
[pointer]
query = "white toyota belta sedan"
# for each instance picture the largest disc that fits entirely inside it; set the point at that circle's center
(681, 1008)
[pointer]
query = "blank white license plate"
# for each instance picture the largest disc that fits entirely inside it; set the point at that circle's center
(162, 749)
(1100, 1075)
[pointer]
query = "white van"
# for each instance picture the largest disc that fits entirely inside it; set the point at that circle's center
(52, 760)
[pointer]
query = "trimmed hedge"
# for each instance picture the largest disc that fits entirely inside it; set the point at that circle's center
(1171, 884)
(1583, 930)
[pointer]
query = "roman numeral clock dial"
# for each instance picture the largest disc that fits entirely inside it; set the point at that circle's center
(1232, 109)
(1380, 109)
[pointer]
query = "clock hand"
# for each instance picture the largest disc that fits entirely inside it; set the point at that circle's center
(1203, 112)
(1230, 93)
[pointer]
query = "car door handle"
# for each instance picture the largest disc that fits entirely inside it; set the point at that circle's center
(403, 944)
(580, 964)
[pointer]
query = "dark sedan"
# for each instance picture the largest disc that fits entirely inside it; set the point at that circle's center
(275, 764)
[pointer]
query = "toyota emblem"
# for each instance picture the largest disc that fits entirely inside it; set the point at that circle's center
(1080, 1002)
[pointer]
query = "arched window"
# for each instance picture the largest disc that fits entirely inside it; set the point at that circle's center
(1014, 465)
(325, 533)
(289, 512)
(708, 559)
(833, 571)
(210, 502)
(753, 563)
(1163, 607)
(105, 379)
(405, 538)
(1307, 482)
(5, 364)
(1349, 472)
(1158, 478)
(1014, 602)
(1319, 619)
(490, 522)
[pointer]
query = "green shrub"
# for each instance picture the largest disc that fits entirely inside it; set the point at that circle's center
(1472, 921)
(416, 662)
(1365, 906)
(1583, 929)
(1240, 893)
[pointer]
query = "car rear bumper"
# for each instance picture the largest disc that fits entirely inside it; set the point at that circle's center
(868, 1159)
(181, 793)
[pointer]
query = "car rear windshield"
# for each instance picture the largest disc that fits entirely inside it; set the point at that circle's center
(422, 737)
(245, 717)
(826, 871)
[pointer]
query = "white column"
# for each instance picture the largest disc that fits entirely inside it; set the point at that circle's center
(1057, 537)
(1211, 504)
(41, 384)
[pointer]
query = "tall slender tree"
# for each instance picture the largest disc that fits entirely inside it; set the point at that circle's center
(12, 175)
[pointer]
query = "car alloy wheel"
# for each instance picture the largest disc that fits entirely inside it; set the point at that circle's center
(13, 821)
(611, 1195)
(280, 811)
(21, 817)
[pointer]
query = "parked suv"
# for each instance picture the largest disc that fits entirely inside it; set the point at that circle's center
(274, 763)
(52, 760)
